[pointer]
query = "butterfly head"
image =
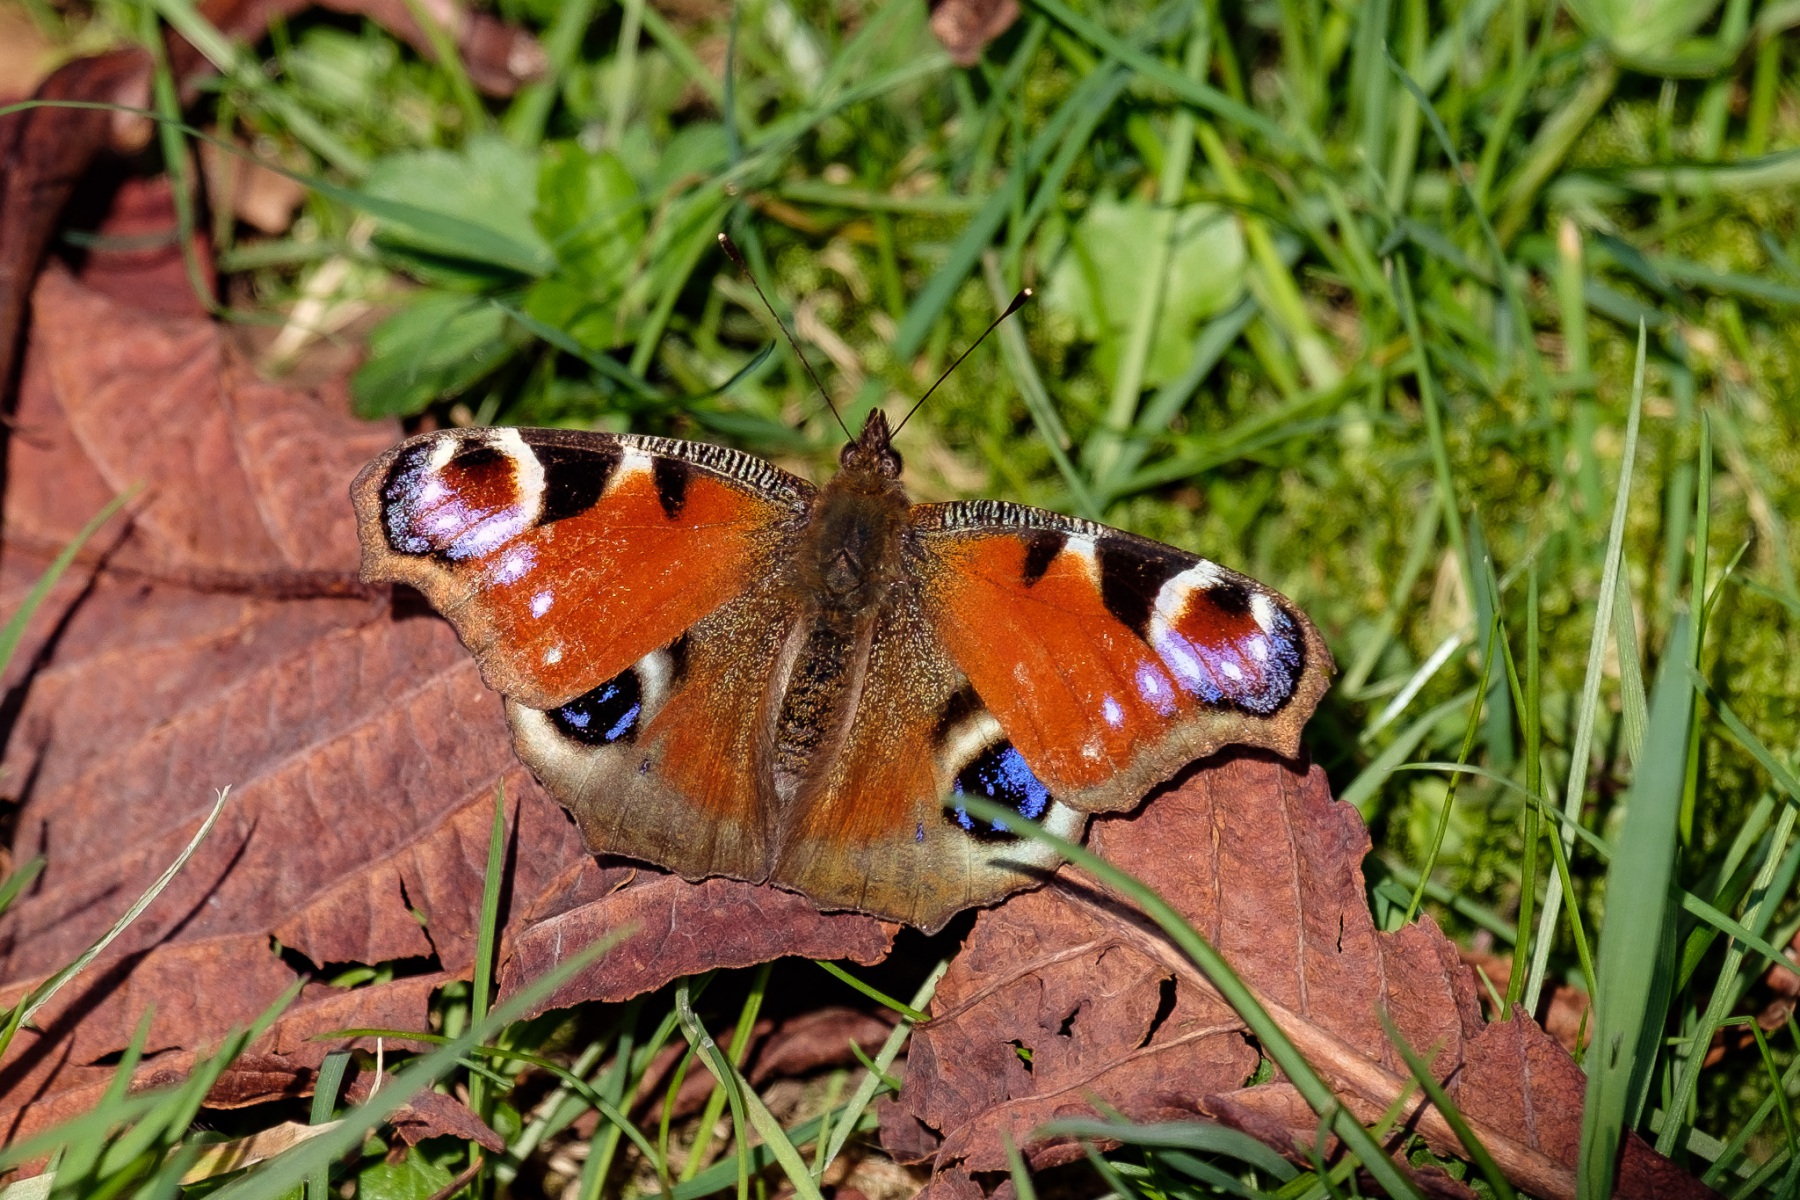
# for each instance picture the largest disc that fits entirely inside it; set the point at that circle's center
(873, 453)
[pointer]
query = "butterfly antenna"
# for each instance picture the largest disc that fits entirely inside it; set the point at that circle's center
(1018, 302)
(737, 258)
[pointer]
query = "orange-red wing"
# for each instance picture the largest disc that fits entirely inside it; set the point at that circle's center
(665, 761)
(1109, 660)
(562, 557)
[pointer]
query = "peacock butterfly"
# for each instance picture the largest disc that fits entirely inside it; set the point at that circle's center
(725, 670)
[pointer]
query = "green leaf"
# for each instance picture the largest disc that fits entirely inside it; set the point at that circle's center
(414, 1177)
(489, 187)
(1638, 28)
(339, 72)
(437, 346)
(589, 210)
(1205, 277)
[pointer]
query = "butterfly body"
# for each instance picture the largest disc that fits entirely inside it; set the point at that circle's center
(724, 670)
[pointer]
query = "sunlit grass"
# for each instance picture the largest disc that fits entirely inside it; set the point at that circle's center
(1345, 296)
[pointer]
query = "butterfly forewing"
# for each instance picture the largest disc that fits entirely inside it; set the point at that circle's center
(1109, 660)
(564, 557)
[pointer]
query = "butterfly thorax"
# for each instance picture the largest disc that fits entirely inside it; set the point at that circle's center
(845, 575)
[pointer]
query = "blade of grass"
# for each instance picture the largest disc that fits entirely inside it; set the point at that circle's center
(1534, 365)
(1627, 1017)
(1421, 1071)
(34, 599)
(880, 997)
(1468, 744)
(1760, 908)
(1415, 683)
(1036, 397)
(872, 1080)
(1589, 704)
(1777, 1096)
(748, 1107)
(21, 877)
(1128, 379)
(449, 61)
(43, 992)
(486, 937)
(1094, 94)
(526, 117)
(1368, 781)
(1434, 421)
(1198, 1136)
(1021, 1178)
(1634, 710)
(720, 1176)
(283, 1174)
(1418, 548)
(1532, 714)
(324, 1104)
(1697, 602)
(1215, 337)
(740, 1050)
(1200, 95)
(1555, 137)
(1283, 294)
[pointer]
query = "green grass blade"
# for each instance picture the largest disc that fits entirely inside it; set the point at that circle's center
(749, 1106)
(42, 994)
(1367, 784)
(1634, 705)
(872, 1081)
(1199, 1136)
(880, 997)
(19, 880)
(1200, 95)
(324, 1103)
(722, 1175)
(1036, 396)
(1590, 689)
(282, 1174)
(740, 1050)
(1097, 93)
(1434, 422)
(1421, 1072)
(1468, 745)
(487, 937)
(1627, 1021)
(1017, 1171)
(14, 628)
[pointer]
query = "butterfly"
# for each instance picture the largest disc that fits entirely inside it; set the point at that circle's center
(720, 668)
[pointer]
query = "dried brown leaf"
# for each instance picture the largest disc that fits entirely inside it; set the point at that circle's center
(498, 57)
(1065, 996)
(43, 153)
(965, 27)
(223, 640)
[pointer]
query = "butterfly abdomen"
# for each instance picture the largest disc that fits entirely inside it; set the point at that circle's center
(845, 575)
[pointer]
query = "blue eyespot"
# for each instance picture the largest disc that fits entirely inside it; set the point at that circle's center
(1000, 774)
(605, 715)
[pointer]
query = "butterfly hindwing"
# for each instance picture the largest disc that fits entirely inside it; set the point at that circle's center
(564, 557)
(1111, 661)
(875, 833)
(666, 761)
